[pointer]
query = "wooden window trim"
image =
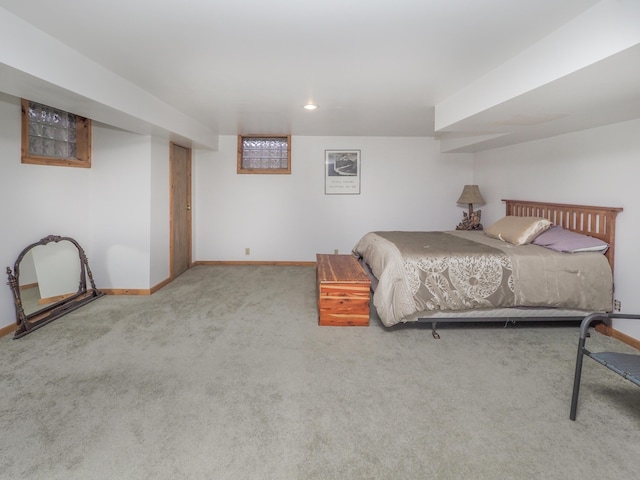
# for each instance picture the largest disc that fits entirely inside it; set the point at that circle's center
(83, 144)
(276, 171)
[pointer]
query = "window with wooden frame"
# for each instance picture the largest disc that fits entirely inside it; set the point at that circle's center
(51, 136)
(264, 154)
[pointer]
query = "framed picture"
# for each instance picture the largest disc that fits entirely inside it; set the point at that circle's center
(342, 172)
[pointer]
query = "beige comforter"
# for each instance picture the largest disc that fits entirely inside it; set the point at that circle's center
(461, 270)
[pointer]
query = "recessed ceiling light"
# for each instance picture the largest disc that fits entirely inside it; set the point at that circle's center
(310, 106)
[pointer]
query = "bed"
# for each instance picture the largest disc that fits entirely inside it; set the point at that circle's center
(470, 276)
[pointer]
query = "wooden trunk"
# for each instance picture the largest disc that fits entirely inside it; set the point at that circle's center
(343, 291)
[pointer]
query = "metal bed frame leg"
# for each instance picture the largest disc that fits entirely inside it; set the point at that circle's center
(435, 334)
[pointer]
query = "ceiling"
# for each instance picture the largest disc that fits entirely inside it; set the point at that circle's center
(373, 68)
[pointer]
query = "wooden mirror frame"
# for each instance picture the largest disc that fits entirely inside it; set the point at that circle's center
(27, 323)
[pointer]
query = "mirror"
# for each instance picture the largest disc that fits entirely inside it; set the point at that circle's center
(49, 279)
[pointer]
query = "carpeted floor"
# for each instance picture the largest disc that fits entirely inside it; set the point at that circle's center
(225, 374)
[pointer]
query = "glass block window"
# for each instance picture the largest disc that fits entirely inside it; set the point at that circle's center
(264, 154)
(52, 133)
(54, 137)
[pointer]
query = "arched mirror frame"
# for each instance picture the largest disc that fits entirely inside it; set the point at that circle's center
(27, 323)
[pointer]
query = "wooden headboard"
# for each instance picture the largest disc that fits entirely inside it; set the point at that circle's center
(599, 222)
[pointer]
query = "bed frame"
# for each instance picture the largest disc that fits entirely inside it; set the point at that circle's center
(599, 222)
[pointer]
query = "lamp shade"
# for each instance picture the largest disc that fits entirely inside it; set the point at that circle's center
(471, 194)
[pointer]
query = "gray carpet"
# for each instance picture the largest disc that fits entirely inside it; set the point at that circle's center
(225, 374)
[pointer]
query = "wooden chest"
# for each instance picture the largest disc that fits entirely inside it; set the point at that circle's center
(343, 291)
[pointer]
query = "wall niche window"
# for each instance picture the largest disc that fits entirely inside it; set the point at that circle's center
(51, 136)
(264, 154)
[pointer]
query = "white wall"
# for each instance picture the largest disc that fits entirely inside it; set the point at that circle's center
(118, 210)
(37, 200)
(595, 167)
(120, 213)
(405, 184)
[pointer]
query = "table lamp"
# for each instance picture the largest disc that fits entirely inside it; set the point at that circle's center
(470, 195)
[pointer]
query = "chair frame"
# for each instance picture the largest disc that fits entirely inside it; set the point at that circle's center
(624, 364)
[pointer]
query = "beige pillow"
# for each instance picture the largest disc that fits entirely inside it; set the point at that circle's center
(517, 230)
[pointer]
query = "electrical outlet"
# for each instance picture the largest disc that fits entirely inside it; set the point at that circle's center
(617, 305)
(335, 251)
(247, 251)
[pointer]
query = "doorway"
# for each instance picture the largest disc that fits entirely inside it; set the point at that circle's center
(180, 216)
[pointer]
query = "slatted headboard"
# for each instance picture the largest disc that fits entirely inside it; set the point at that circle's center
(599, 222)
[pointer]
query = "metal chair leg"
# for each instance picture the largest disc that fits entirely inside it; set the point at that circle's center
(576, 379)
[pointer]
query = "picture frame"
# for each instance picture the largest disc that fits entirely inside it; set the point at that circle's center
(342, 172)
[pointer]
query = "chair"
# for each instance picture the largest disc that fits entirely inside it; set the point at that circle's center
(624, 364)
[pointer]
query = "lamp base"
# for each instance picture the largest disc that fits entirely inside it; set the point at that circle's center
(470, 221)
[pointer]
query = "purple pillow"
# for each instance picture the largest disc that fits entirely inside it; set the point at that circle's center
(561, 240)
